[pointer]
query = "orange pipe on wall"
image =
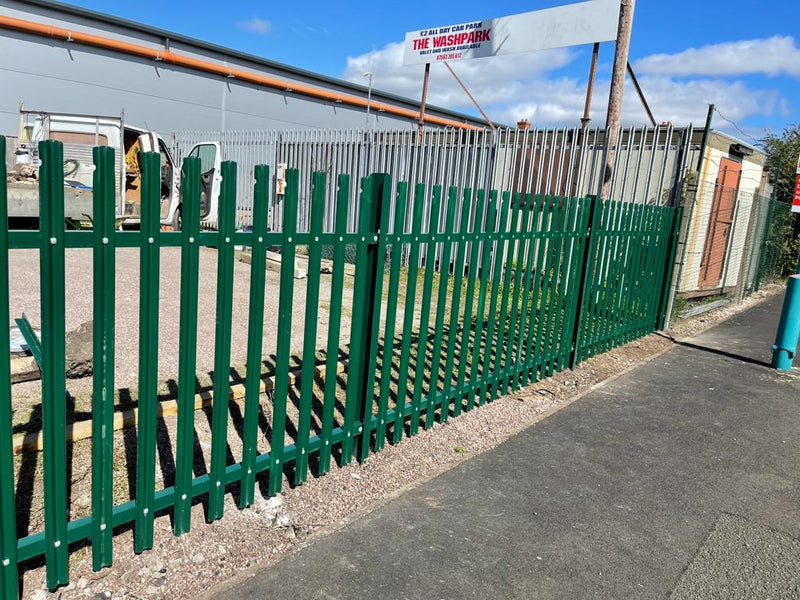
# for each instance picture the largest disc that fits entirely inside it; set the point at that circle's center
(217, 69)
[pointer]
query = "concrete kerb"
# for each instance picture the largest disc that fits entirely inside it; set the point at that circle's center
(274, 262)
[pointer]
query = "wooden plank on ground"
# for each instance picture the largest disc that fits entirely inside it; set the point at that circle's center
(24, 368)
(32, 442)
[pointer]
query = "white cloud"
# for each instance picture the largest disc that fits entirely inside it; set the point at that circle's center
(681, 102)
(519, 86)
(255, 25)
(490, 80)
(778, 55)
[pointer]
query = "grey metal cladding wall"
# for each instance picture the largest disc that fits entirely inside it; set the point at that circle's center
(58, 76)
(165, 98)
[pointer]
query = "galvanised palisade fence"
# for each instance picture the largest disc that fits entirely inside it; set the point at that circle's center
(649, 163)
(551, 280)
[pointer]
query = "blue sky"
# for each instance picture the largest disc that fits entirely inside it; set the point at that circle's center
(744, 57)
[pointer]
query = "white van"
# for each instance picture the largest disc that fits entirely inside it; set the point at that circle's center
(80, 134)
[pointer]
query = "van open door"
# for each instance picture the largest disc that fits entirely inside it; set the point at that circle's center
(150, 141)
(210, 178)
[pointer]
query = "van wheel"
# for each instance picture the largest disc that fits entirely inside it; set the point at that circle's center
(176, 219)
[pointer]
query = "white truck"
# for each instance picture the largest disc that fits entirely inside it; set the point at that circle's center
(79, 134)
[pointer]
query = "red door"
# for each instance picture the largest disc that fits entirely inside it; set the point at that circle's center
(720, 223)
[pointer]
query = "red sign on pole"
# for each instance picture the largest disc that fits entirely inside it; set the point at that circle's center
(796, 201)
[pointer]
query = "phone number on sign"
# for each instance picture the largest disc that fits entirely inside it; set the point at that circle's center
(452, 56)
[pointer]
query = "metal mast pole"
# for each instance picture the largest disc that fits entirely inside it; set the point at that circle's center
(587, 109)
(424, 99)
(618, 83)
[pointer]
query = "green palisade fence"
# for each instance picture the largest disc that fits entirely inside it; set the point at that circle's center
(8, 531)
(538, 283)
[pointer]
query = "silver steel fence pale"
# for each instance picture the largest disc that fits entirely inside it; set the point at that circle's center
(649, 166)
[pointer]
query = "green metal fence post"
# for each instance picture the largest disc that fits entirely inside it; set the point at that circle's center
(474, 238)
(425, 312)
(564, 322)
(606, 279)
(592, 294)
(441, 306)
(614, 263)
(310, 327)
(334, 327)
(377, 239)
(551, 341)
(666, 238)
(633, 251)
(647, 302)
(524, 260)
(513, 327)
(673, 248)
(577, 257)
(51, 255)
(355, 360)
(284, 338)
(455, 305)
(255, 333)
(480, 352)
(526, 315)
(187, 358)
(8, 530)
(387, 359)
(539, 236)
(408, 313)
(503, 327)
(149, 273)
(586, 267)
(492, 348)
(103, 364)
(222, 342)
(637, 295)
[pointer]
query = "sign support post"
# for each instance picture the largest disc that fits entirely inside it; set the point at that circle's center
(587, 109)
(424, 99)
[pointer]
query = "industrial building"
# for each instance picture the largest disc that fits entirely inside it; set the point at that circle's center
(60, 58)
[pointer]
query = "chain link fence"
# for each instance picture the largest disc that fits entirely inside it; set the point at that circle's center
(734, 242)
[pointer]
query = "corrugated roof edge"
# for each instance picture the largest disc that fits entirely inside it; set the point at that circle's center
(200, 44)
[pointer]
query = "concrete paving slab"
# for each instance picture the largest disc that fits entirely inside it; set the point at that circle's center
(742, 560)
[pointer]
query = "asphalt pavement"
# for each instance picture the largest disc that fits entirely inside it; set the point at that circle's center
(678, 479)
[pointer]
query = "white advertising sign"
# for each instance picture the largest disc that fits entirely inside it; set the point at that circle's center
(570, 25)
